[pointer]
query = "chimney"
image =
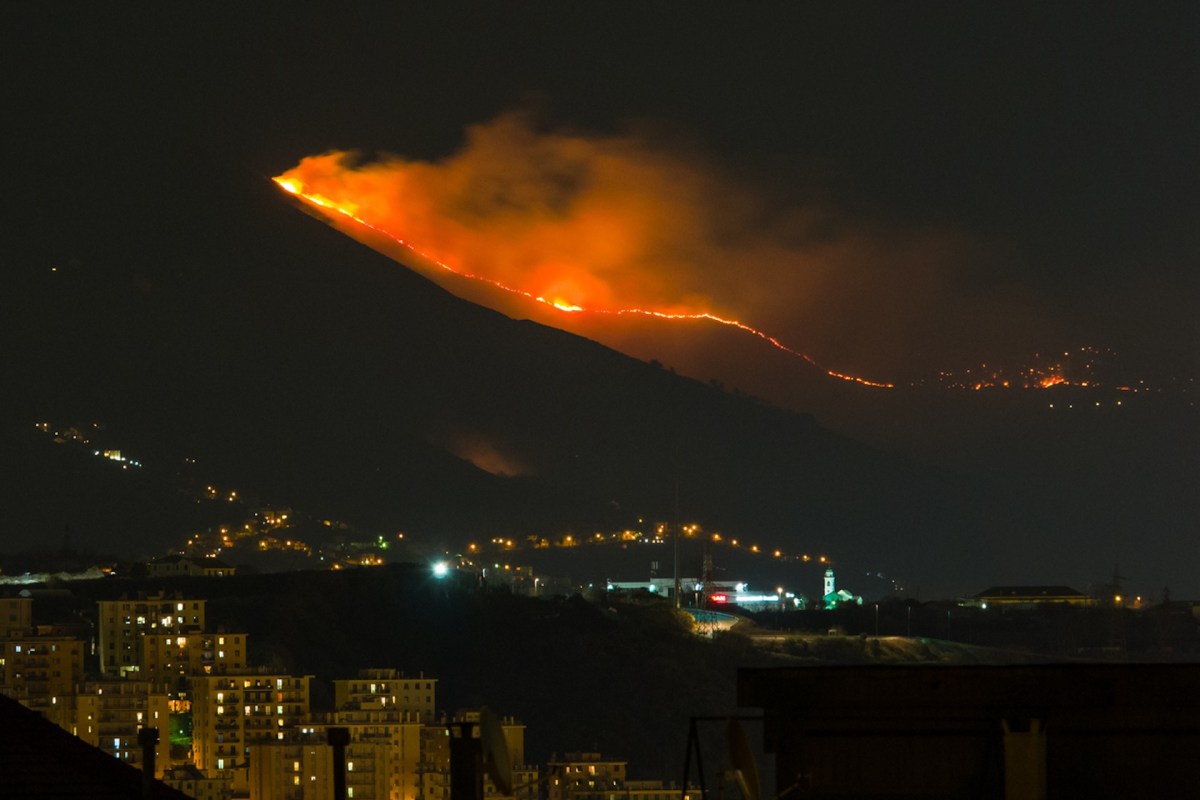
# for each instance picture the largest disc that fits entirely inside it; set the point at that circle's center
(338, 738)
(148, 739)
(466, 763)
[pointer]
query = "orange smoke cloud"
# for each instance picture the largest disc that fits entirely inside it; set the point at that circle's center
(606, 223)
(486, 454)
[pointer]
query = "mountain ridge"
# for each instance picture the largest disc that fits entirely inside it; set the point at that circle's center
(294, 360)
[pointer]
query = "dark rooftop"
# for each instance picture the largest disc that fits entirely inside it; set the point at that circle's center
(38, 759)
(1030, 591)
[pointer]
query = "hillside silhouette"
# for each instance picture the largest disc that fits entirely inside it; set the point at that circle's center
(223, 325)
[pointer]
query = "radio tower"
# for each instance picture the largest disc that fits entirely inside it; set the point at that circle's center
(706, 571)
(678, 587)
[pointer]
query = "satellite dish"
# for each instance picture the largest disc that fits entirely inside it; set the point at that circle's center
(741, 757)
(496, 761)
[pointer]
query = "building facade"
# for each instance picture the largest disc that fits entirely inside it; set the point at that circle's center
(16, 616)
(214, 785)
(41, 671)
(585, 776)
(173, 657)
(108, 715)
(231, 713)
(381, 689)
(121, 623)
(175, 565)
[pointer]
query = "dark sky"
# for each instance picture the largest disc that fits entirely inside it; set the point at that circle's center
(1052, 146)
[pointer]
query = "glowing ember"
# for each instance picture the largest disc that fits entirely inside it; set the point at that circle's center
(354, 212)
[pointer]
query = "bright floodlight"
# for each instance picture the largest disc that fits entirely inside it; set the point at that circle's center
(440, 569)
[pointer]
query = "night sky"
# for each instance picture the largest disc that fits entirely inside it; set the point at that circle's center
(997, 179)
(894, 188)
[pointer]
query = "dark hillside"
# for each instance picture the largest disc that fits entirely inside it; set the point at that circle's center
(218, 322)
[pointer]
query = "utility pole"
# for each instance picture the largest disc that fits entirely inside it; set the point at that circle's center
(678, 587)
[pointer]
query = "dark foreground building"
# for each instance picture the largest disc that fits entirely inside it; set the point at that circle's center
(38, 759)
(1039, 731)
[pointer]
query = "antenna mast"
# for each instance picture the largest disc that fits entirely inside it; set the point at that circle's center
(677, 589)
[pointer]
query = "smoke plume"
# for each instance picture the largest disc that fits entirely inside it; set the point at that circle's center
(612, 222)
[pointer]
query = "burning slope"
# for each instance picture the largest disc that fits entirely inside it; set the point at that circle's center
(606, 227)
(564, 287)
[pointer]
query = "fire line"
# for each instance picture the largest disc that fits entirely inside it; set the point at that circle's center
(298, 189)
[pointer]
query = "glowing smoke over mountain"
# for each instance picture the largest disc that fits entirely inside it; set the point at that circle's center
(609, 223)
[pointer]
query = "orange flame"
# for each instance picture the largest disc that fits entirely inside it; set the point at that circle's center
(350, 210)
(582, 226)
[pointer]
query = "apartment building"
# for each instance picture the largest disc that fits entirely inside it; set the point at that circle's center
(585, 776)
(109, 713)
(121, 623)
(435, 759)
(173, 657)
(40, 671)
(16, 616)
(230, 713)
(398, 733)
(198, 785)
(387, 689)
